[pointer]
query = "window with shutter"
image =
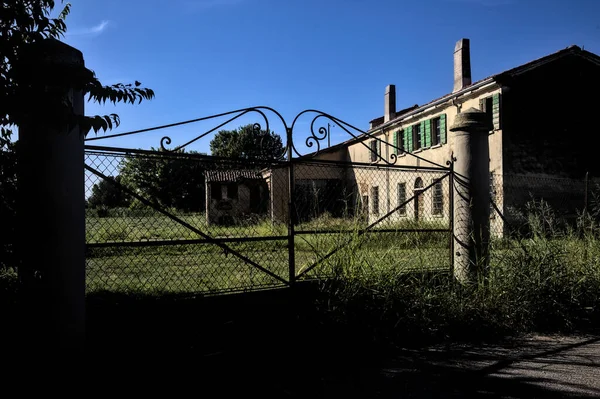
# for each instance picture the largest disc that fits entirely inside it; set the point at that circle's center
(409, 139)
(427, 132)
(378, 149)
(496, 111)
(395, 149)
(443, 128)
(436, 137)
(491, 106)
(417, 137)
(486, 106)
(403, 143)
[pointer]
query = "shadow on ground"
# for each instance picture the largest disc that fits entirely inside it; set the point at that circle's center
(273, 344)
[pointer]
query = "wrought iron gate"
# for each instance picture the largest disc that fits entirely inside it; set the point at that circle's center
(171, 220)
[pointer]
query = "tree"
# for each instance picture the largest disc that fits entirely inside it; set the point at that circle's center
(168, 181)
(26, 26)
(107, 194)
(26, 31)
(247, 143)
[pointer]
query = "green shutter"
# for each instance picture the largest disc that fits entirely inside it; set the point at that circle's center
(409, 139)
(395, 150)
(422, 134)
(496, 111)
(443, 128)
(428, 133)
(403, 135)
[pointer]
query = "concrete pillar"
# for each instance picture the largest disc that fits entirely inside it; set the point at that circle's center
(52, 202)
(462, 65)
(471, 195)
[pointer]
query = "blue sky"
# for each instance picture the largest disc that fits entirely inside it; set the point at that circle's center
(209, 56)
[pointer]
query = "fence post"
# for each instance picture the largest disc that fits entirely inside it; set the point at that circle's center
(291, 215)
(472, 197)
(451, 210)
(52, 205)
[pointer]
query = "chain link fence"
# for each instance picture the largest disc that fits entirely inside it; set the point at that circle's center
(187, 223)
(168, 222)
(373, 217)
(545, 251)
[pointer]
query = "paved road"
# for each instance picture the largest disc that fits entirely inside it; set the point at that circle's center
(536, 366)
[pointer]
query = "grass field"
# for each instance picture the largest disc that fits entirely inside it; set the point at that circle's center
(207, 268)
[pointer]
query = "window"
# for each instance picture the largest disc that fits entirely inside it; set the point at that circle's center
(417, 136)
(215, 191)
(375, 150)
(375, 200)
(401, 199)
(401, 141)
(491, 107)
(418, 183)
(232, 191)
(486, 105)
(438, 199)
(436, 132)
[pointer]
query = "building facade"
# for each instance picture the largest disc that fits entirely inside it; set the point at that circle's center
(540, 123)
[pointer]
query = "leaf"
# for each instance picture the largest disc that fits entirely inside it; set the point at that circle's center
(65, 12)
(116, 119)
(108, 121)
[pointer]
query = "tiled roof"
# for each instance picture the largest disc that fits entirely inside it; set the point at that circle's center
(379, 121)
(510, 72)
(513, 72)
(232, 175)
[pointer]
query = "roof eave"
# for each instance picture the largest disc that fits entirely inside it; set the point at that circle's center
(448, 97)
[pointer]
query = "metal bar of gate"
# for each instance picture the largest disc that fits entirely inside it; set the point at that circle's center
(162, 243)
(311, 232)
(291, 213)
(451, 213)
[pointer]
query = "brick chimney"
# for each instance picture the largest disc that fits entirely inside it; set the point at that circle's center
(462, 64)
(390, 103)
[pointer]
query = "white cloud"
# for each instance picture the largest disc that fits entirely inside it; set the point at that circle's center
(92, 31)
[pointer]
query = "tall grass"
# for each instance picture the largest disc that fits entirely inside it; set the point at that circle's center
(547, 280)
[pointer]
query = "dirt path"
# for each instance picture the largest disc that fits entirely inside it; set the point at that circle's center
(536, 366)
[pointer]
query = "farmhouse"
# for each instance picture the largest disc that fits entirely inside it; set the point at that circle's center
(234, 195)
(542, 123)
(541, 118)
